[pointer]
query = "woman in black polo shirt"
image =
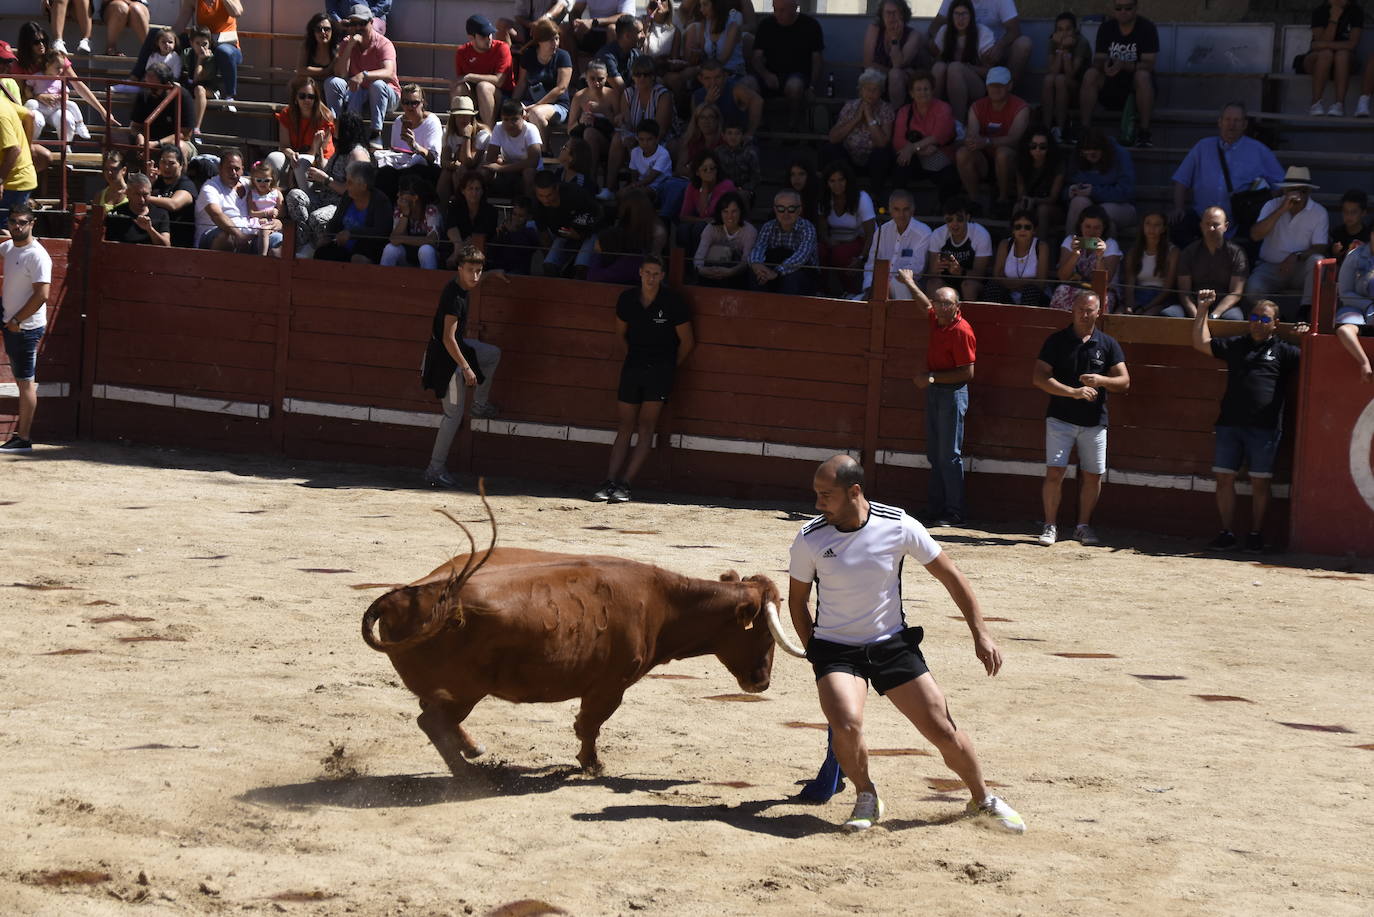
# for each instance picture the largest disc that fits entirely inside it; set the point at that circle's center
(656, 325)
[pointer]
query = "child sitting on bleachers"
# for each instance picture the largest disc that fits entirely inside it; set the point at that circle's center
(739, 161)
(46, 103)
(265, 203)
(199, 73)
(165, 53)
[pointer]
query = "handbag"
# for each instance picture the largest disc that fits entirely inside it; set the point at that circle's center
(1245, 205)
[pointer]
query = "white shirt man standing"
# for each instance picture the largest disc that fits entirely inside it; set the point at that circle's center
(852, 553)
(27, 281)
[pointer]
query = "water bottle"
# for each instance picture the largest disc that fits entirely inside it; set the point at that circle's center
(830, 86)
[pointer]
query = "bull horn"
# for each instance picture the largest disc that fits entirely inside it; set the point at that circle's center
(770, 610)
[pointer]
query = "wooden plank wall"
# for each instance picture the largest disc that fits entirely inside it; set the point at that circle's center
(59, 353)
(782, 370)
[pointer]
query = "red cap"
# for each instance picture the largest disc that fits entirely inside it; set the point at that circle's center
(6, 52)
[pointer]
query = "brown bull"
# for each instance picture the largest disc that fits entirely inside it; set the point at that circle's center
(536, 627)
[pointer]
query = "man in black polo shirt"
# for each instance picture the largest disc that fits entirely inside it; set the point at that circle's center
(1077, 367)
(656, 326)
(1259, 367)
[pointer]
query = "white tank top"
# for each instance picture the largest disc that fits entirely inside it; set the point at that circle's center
(1027, 266)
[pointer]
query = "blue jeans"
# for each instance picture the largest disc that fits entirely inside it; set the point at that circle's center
(227, 60)
(563, 250)
(375, 101)
(946, 406)
(22, 349)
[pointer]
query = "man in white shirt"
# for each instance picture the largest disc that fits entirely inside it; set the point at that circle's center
(1011, 49)
(853, 554)
(1294, 232)
(28, 279)
(514, 152)
(901, 242)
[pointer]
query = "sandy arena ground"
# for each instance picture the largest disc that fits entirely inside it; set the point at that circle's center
(238, 747)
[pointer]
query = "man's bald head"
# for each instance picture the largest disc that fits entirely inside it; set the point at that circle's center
(843, 470)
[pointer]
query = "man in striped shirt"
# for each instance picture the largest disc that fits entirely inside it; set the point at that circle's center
(853, 554)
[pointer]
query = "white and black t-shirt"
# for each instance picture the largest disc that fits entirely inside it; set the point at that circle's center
(858, 574)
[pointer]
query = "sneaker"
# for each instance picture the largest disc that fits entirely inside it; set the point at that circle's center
(1143, 140)
(1362, 107)
(603, 493)
(959, 130)
(16, 444)
(1225, 541)
(996, 813)
(230, 107)
(1317, 110)
(485, 411)
(1057, 134)
(1049, 535)
(1085, 535)
(621, 493)
(1254, 543)
(440, 479)
(868, 808)
(605, 194)
(59, 46)
(1337, 110)
(83, 46)
(950, 520)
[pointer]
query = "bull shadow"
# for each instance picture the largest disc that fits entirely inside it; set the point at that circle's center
(753, 817)
(431, 789)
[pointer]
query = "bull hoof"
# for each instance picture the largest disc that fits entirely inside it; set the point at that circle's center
(474, 751)
(592, 768)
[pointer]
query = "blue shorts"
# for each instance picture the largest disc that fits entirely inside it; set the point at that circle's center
(1061, 437)
(1235, 444)
(1354, 315)
(22, 349)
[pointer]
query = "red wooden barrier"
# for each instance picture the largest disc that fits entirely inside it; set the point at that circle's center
(321, 360)
(1333, 512)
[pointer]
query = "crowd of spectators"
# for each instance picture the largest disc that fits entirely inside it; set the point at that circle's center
(656, 118)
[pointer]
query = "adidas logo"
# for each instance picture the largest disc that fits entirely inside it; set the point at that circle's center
(829, 552)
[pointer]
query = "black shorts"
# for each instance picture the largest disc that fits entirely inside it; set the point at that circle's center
(886, 664)
(602, 125)
(1117, 89)
(639, 383)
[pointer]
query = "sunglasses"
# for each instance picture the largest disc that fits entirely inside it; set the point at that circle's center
(1262, 319)
(1020, 226)
(324, 27)
(411, 103)
(306, 95)
(262, 181)
(1039, 146)
(787, 208)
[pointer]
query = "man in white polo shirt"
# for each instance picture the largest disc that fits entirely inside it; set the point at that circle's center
(853, 553)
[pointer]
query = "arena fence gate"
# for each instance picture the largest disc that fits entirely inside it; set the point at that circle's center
(321, 360)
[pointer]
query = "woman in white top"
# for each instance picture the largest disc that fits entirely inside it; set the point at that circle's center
(845, 229)
(1151, 271)
(962, 68)
(417, 138)
(1082, 254)
(1021, 265)
(725, 243)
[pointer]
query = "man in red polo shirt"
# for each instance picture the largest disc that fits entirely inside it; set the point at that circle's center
(481, 68)
(949, 370)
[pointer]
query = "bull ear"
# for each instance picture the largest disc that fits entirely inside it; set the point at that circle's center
(746, 613)
(729, 576)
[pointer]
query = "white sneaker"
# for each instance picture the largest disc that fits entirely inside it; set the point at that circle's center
(958, 130)
(605, 194)
(868, 808)
(1317, 110)
(1085, 535)
(997, 814)
(231, 108)
(1057, 134)
(83, 46)
(1362, 107)
(1337, 110)
(1049, 535)
(60, 46)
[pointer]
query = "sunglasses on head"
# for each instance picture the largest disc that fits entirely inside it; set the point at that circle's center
(1262, 319)
(787, 208)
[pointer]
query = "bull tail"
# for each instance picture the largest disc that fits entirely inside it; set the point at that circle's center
(448, 605)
